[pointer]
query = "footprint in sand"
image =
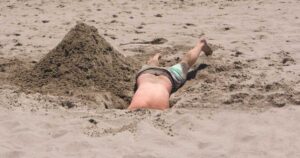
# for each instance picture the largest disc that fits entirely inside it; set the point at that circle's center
(158, 15)
(59, 133)
(237, 98)
(296, 99)
(288, 61)
(203, 145)
(237, 54)
(279, 99)
(13, 154)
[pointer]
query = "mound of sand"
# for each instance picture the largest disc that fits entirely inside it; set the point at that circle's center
(82, 63)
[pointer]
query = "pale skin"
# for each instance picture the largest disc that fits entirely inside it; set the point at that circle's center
(154, 91)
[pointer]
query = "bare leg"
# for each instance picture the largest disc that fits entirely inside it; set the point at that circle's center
(154, 60)
(191, 56)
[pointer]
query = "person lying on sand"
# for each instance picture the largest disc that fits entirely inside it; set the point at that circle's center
(155, 84)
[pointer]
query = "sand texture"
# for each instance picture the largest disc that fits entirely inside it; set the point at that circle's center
(83, 63)
(67, 75)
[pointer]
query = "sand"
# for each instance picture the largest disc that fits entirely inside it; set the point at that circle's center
(83, 65)
(176, 133)
(243, 101)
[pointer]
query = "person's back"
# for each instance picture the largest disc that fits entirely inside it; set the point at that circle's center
(153, 92)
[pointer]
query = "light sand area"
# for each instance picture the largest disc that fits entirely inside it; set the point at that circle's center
(151, 134)
(244, 103)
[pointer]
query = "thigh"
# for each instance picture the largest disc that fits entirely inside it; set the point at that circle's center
(179, 74)
(180, 70)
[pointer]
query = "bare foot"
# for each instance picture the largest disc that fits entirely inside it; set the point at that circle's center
(205, 48)
(154, 60)
(157, 56)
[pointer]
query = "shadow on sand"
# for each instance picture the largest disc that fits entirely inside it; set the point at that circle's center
(192, 74)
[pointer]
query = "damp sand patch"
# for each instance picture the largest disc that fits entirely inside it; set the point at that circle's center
(83, 65)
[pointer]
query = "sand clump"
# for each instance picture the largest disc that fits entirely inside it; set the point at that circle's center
(82, 64)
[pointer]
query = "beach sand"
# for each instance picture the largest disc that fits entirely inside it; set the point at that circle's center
(243, 101)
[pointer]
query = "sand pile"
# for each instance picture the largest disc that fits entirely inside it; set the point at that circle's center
(81, 64)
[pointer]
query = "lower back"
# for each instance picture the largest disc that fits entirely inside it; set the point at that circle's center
(151, 95)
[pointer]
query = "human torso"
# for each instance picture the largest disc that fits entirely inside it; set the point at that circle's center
(153, 92)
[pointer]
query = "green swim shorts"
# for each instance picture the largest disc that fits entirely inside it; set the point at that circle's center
(177, 73)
